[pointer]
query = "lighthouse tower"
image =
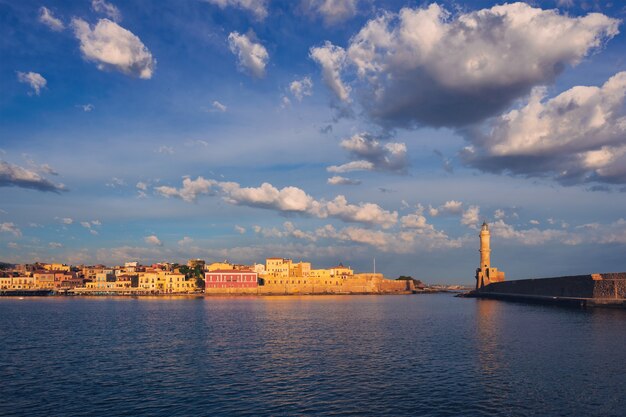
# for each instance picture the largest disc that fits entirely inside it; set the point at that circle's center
(485, 274)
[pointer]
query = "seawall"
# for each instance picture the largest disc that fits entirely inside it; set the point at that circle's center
(359, 284)
(608, 289)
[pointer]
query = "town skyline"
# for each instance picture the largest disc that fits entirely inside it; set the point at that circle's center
(332, 132)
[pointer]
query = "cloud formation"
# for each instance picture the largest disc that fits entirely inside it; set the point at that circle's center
(34, 79)
(332, 59)
(16, 176)
(470, 217)
(301, 88)
(47, 18)
(108, 9)
(217, 106)
(339, 180)
(153, 240)
(189, 192)
(451, 207)
(252, 56)
(284, 200)
(423, 66)
(111, 46)
(257, 7)
(372, 155)
(578, 136)
(10, 228)
(331, 11)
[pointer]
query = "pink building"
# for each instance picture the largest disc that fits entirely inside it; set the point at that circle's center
(229, 278)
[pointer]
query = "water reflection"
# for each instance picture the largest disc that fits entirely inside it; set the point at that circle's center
(372, 355)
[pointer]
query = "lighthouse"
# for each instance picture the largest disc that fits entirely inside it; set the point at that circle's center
(485, 274)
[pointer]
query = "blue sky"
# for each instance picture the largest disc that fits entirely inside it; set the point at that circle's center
(331, 131)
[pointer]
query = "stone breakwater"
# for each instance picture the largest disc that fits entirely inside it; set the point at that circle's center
(608, 289)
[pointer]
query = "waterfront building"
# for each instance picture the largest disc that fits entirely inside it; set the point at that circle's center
(485, 273)
(216, 266)
(277, 267)
(56, 267)
(228, 278)
(259, 268)
(300, 270)
(17, 283)
(44, 280)
(194, 263)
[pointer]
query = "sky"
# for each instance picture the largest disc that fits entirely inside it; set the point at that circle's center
(320, 130)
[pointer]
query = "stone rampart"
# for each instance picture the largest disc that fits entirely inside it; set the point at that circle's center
(357, 284)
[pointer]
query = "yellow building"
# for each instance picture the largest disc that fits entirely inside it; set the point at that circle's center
(165, 282)
(219, 266)
(277, 267)
(300, 270)
(56, 267)
(17, 283)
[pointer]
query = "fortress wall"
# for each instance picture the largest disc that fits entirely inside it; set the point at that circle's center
(577, 286)
(358, 284)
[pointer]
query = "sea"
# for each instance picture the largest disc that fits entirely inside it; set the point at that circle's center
(395, 355)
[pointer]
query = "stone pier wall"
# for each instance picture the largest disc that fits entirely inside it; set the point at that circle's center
(592, 286)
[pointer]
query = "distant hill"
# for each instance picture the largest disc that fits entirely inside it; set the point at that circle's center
(4, 265)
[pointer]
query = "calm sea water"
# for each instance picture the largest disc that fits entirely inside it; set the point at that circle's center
(428, 355)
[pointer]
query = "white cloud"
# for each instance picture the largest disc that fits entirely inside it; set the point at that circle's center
(142, 186)
(47, 18)
(185, 241)
(67, 220)
(285, 200)
(111, 46)
(257, 7)
(101, 6)
(219, 106)
(470, 217)
(332, 59)
(368, 213)
(34, 79)
(167, 150)
(372, 155)
(415, 221)
(285, 102)
(530, 237)
(423, 237)
(423, 66)
(535, 222)
(577, 136)
(301, 88)
(240, 229)
(252, 56)
(87, 107)
(339, 180)
(10, 228)
(55, 245)
(451, 207)
(351, 166)
(115, 183)
(190, 191)
(16, 176)
(153, 240)
(331, 11)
